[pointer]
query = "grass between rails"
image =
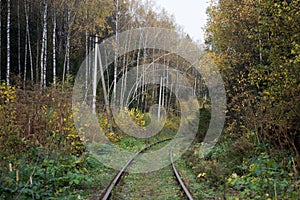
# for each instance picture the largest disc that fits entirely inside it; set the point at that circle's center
(160, 184)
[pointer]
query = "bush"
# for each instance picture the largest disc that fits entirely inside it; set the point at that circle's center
(235, 168)
(40, 149)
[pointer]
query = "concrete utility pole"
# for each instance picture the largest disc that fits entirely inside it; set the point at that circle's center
(95, 83)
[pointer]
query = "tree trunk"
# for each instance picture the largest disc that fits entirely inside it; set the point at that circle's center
(37, 50)
(25, 62)
(45, 59)
(68, 54)
(116, 52)
(19, 39)
(87, 59)
(124, 75)
(28, 39)
(135, 94)
(8, 43)
(68, 42)
(44, 47)
(195, 87)
(54, 46)
(0, 41)
(66, 69)
(91, 46)
(160, 98)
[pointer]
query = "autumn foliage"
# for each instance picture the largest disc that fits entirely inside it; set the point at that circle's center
(256, 46)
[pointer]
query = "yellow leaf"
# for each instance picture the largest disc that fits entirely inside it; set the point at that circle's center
(201, 175)
(266, 92)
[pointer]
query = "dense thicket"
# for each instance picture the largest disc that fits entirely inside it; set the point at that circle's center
(256, 44)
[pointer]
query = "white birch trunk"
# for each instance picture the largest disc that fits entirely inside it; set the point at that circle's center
(153, 72)
(0, 41)
(28, 40)
(170, 96)
(25, 62)
(19, 39)
(259, 35)
(123, 79)
(125, 69)
(68, 42)
(87, 59)
(44, 46)
(195, 87)
(143, 71)
(30, 55)
(135, 94)
(68, 54)
(116, 52)
(90, 56)
(124, 75)
(167, 84)
(66, 69)
(8, 44)
(45, 59)
(37, 51)
(54, 46)
(87, 51)
(163, 93)
(160, 98)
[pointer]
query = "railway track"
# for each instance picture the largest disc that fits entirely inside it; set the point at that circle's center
(108, 191)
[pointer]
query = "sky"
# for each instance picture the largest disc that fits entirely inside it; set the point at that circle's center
(190, 14)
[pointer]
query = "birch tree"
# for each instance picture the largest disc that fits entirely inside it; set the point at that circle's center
(37, 46)
(8, 43)
(116, 50)
(0, 40)
(54, 45)
(71, 16)
(28, 39)
(19, 38)
(68, 41)
(25, 62)
(87, 59)
(43, 58)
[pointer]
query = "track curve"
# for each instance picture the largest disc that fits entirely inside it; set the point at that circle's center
(179, 179)
(107, 192)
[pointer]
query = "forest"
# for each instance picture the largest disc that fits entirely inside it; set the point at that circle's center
(80, 79)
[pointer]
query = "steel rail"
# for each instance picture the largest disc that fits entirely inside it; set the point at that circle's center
(105, 195)
(179, 179)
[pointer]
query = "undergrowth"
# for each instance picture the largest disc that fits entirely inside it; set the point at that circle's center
(43, 156)
(238, 169)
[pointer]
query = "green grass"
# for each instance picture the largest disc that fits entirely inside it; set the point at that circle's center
(154, 185)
